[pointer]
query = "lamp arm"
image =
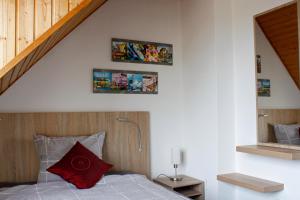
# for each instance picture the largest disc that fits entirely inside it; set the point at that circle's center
(139, 136)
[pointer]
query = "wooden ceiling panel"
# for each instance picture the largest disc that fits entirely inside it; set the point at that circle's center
(280, 26)
(284, 11)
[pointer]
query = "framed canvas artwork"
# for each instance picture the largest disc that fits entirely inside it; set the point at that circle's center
(125, 82)
(263, 87)
(141, 52)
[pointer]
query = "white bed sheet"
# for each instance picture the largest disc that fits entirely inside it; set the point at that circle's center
(113, 187)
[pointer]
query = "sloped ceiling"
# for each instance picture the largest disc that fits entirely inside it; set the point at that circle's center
(280, 26)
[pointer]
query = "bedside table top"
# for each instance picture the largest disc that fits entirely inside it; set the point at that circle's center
(187, 181)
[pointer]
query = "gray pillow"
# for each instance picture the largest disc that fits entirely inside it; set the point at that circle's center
(287, 134)
(52, 149)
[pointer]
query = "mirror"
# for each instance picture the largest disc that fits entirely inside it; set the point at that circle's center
(278, 79)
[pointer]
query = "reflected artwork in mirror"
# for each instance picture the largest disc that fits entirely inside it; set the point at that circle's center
(277, 48)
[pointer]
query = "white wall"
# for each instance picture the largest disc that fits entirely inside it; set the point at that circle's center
(61, 81)
(279, 170)
(200, 92)
(226, 102)
(284, 92)
(208, 93)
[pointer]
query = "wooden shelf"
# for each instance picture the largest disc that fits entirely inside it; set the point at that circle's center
(188, 187)
(252, 183)
(288, 154)
(190, 193)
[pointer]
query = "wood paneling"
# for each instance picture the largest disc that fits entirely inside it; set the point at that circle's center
(22, 62)
(74, 3)
(60, 9)
(280, 26)
(43, 16)
(250, 182)
(7, 31)
(25, 24)
(120, 148)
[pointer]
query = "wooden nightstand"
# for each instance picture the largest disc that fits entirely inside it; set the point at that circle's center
(189, 187)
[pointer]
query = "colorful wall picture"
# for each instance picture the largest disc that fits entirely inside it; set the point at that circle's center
(119, 82)
(103, 80)
(141, 52)
(150, 83)
(263, 87)
(135, 82)
(126, 82)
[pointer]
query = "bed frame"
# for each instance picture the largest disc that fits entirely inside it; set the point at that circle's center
(19, 160)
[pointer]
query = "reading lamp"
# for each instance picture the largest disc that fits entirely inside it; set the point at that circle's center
(126, 120)
(176, 160)
(263, 115)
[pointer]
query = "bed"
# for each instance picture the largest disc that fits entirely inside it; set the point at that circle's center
(112, 187)
(120, 149)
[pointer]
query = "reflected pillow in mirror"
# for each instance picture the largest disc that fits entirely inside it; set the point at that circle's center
(287, 134)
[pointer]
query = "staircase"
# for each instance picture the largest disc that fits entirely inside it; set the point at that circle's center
(280, 26)
(31, 28)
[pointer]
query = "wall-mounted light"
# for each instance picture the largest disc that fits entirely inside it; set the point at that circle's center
(126, 120)
(263, 115)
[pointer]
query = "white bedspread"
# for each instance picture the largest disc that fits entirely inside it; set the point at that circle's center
(114, 187)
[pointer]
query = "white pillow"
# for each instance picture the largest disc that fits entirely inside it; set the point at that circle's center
(287, 134)
(52, 149)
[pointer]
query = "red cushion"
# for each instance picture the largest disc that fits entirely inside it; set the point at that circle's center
(80, 167)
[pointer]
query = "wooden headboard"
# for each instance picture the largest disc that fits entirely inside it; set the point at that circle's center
(274, 116)
(19, 160)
